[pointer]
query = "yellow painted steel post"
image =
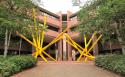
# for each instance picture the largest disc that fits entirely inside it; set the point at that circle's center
(91, 38)
(95, 43)
(85, 50)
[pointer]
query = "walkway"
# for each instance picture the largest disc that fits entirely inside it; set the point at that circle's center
(65, 69)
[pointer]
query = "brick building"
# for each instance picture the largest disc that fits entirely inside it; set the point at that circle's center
(56, 24)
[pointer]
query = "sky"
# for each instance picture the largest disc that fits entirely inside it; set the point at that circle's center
(60, 5)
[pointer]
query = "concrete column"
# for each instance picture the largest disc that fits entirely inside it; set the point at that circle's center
(95, 48)
(73, 55)
(69, 53)
(69, 46)
(59, 43)
(64, 49)
(56, 52)
(60, 50)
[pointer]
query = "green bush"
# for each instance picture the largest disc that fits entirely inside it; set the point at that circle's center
(115, 63)
(8, 68)
(14, 64)
(23, 61)
(1, 58)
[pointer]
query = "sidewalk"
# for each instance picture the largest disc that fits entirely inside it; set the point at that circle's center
(65, 69)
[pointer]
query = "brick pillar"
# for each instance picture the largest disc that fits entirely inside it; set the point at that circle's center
(69, 53)
(73, 55)
(69, 46)
(59, 43)
(56, 52)
(64, 49)
(60, 50)
(69, 49)
(95, 48)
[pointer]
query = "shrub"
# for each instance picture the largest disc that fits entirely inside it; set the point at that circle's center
(14, 64)
(1, 58)
(23, 61)
(8, 68)
(115, 63)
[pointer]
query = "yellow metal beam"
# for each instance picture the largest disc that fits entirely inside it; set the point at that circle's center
(43, 57)
(91, 38)
(84, 51)
(75, 44)
(95, 43)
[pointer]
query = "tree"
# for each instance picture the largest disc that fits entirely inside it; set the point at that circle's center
(104, 16)
(38, 2)
(14, 15)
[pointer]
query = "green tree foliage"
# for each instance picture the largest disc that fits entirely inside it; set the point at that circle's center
(14, 15)
(104, 16)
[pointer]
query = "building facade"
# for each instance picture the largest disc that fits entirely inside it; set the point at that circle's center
(56, 23)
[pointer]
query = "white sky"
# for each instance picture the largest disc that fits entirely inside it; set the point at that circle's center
(60, 5)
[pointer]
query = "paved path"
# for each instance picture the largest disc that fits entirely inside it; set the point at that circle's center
(65, 69)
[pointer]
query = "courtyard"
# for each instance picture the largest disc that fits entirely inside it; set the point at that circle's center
(62, 38)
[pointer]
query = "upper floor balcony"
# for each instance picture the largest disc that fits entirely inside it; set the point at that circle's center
(50, 21)
(50, 35)
(74, 35)
(74, 22)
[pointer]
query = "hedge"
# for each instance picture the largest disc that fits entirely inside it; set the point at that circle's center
(115, 63)
(15, 64)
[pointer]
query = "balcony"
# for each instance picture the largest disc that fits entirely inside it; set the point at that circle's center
(50, 35)
(75, 36)
(73, 23)
(51, 21)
